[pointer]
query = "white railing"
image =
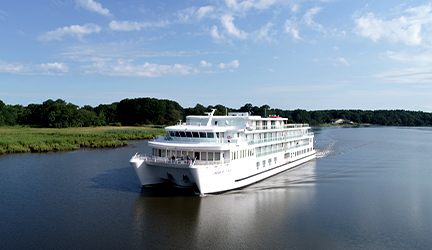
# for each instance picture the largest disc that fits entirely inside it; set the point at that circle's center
(278, 138)
(268, 152)
(179, 161)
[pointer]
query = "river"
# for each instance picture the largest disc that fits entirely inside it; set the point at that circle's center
(369, 188)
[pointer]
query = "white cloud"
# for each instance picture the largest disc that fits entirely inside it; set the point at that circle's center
(93, 6)
(233, 64)
(295, 8)
(201, 12)
(308, 18)
(12, 67)
(246, 5)
(54, 66)
(343, 60)
(291, 27)
(126, 68)
(73, 30)
(193, 13)
(215, 34)
(31, 69)
(227, 22)
(406, 29)
(423, 58)
(129, 26)
(406, 76)
(205, 64)
(262, 34)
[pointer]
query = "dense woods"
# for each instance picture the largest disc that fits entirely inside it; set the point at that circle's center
(146, 111)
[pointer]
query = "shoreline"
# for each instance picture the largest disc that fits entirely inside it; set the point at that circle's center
(17, 140)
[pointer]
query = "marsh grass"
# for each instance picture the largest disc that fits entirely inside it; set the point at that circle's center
(20, 139)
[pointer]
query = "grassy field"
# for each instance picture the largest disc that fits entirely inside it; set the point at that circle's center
(24, 139)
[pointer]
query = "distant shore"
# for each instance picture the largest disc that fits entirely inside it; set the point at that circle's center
(19, 139)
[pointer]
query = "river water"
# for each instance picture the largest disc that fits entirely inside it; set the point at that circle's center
(369, 188)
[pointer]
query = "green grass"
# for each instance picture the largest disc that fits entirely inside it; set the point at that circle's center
(20, 139)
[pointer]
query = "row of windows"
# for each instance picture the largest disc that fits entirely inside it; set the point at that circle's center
(242, 154)
(178, 154)
(195, 134)
(297, 153)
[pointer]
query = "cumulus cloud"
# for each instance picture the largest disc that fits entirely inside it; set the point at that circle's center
(54, 66)
(227, 22)
(217, 37)
(93, 6)
(233, 64)
(129, 26)
(205, 64)
(32, 69)
(291, 28)
(73, 30)
(295, 8)
(201, 12)
(405, 29)
(11, 67)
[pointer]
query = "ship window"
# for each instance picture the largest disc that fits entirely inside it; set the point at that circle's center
(177, 134)
(210, 156)
(217, 156)
(171, 133)
(269, 160)
(203, 134)
(263, 163)
(217, 135)
(182, 134)
(188, 134)
(275, 160)
(258, 165)
(204, 156)
(195, 134)
(210, 135)
(215, 122)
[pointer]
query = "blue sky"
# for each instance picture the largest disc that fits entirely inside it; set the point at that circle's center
(288, 54)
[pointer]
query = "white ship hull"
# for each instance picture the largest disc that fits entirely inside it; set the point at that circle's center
(208, 178)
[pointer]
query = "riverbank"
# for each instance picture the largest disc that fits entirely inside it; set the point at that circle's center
(20, 139)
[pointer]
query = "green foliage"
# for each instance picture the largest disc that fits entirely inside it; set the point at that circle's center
(152, 111)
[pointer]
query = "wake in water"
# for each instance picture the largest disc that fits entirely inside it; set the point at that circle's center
(324, 152)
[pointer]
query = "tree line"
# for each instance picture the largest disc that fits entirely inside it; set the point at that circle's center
(146, 111)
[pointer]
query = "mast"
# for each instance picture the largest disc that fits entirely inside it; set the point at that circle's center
(211, 117)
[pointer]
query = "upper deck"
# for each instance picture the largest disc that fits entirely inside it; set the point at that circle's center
(234, 121)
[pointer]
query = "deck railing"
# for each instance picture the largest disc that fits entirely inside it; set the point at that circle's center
(268, 152)
(259, 141)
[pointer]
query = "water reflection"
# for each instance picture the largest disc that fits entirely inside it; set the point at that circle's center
(243, 216)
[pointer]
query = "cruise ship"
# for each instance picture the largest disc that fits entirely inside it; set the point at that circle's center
(221, 153)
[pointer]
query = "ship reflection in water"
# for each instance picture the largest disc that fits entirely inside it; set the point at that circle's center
(254, 216)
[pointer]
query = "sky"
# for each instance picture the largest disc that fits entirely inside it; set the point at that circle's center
(288, 54)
